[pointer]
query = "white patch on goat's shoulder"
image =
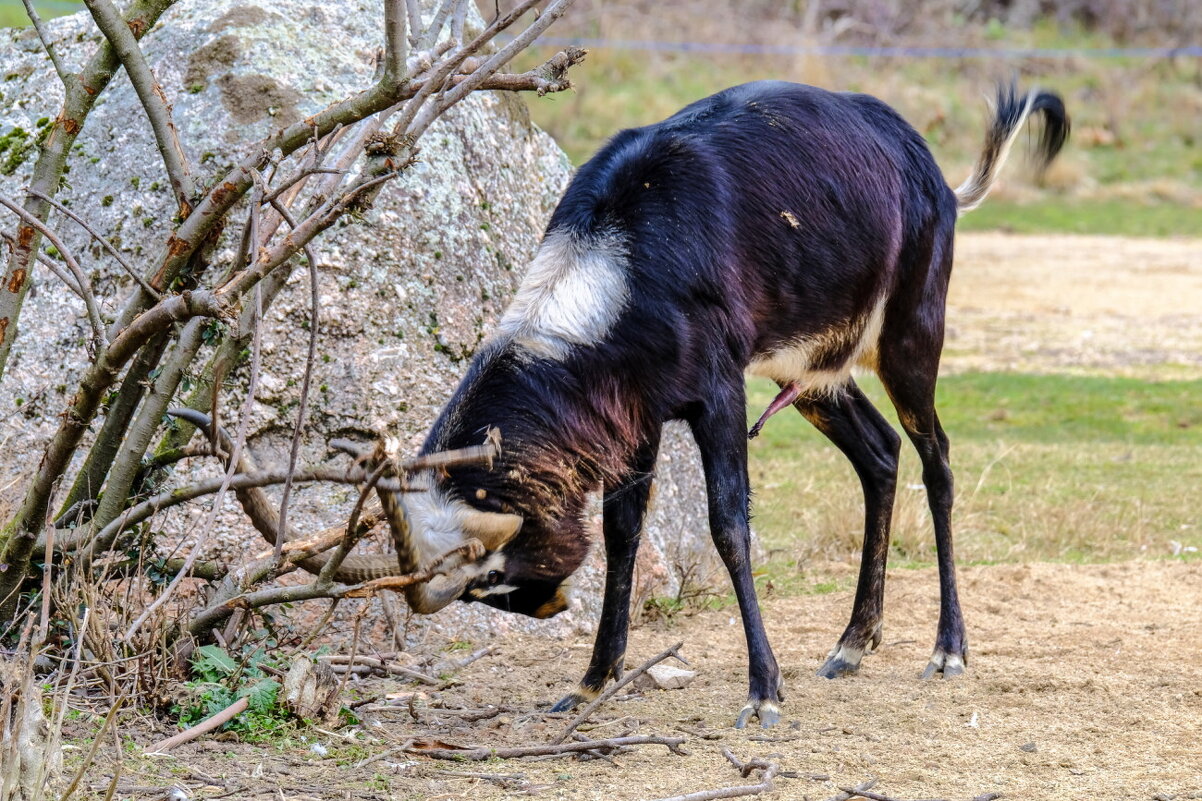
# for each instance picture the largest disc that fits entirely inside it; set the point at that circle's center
(572, 295)
(795, 361)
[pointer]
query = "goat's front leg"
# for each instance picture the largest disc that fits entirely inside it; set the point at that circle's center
(623, 506)
(719, 432)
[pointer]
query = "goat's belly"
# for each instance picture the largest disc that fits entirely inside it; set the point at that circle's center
(822, 363)
(791, 365)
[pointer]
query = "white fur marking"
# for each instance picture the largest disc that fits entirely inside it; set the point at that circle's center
(435, 522)
(972, 193)
(793, 362)
(846, 654)
(572, 295)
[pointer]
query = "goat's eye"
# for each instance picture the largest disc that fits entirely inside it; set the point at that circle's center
(494, 578)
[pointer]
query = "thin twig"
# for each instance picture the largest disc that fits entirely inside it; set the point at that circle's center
(100, 240)
(64, 74)
(306, 381)
(477, 754)
(244, 416)
(150, 93)
(440, 18)
(81, 278)
(852, 792)
(549, 15)
(859, 788)
(91, 755)
(208, 724)
(379, 665)
(619, 684)
(769, 772)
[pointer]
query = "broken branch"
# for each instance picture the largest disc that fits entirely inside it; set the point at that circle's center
(477, 754)
(622, 682)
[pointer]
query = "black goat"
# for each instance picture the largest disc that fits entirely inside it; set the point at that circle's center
(772, 228)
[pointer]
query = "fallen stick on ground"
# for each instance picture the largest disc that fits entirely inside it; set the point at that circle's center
(846, 794)
(206, 725)
(853, 792)
(379, 665)
(768, 773)
(477, 754)
(619, 684)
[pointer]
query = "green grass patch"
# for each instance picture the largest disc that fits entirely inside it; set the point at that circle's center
(12, 12)
(1047, 468)
(1115, 217)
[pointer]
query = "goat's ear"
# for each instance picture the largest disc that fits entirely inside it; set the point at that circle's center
(494, 529)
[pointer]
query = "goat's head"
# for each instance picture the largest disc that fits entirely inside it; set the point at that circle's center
(504, 573)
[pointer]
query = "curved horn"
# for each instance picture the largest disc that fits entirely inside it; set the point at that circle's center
(428, 597)
(494, 529)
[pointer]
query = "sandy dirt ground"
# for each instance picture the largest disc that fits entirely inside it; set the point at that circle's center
(1085, 682)
(1078, 304)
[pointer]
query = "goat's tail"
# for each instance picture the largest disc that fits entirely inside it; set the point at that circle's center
(1008, 118)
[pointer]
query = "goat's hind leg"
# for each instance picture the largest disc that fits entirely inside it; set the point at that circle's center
(854, 425)
(623, 507)
(908, 367)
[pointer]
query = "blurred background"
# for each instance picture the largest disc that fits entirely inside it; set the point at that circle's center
(1129, 70)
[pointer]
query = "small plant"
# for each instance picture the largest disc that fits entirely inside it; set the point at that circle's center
(221, 680)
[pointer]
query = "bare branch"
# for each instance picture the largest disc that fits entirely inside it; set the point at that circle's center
(769, 772)
(306, 381)
(440, 19)
(50, 264)
(396, 47)
(100, 240)
(458, 20)
(551, 76)
(128, 462)
(353, 529)
(208, 724)
(853, 792)
(150, 92)
(617, 685)
(847, 794)
(99, 339)
(413, 10)
(493, 64)
(64, 74)
(436, 80)
(48, 171)
(215, 510)
(477, 754)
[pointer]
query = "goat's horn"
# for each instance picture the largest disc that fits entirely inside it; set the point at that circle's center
(433, 595)
(430, 596)
(493, 529)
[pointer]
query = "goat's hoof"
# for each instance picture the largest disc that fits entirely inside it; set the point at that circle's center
(945, 664)
(842, 660)
(573, 700)
(767, 711)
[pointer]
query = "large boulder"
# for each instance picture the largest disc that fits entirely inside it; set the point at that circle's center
(406, 294)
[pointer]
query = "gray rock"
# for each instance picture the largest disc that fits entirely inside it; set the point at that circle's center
(406, 295)
(665, 677)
